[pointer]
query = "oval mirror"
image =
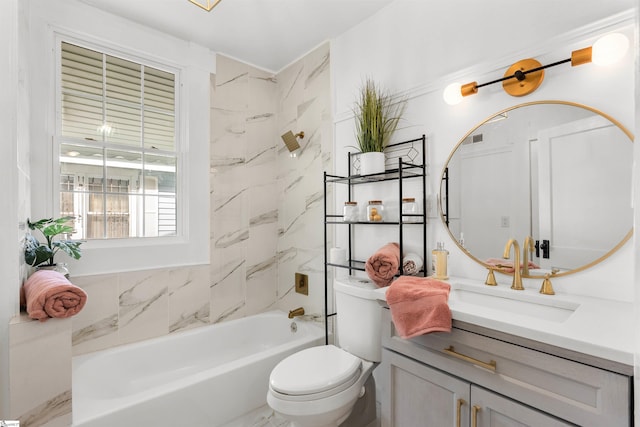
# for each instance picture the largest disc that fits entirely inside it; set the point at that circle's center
(559, 172)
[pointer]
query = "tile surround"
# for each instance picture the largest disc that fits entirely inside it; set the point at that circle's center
(40, 386)
(266, 216)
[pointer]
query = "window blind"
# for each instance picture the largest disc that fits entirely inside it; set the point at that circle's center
(110, 99)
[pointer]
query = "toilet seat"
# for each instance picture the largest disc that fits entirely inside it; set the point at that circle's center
(315, 373)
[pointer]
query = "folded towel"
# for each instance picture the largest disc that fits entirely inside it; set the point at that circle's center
(419, 305)
(411, 264)
(506, 265)
(382, 266)
(49, 294)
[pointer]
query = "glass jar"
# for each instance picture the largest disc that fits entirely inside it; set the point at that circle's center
(375, 211)
(350, 212)
(409, 208)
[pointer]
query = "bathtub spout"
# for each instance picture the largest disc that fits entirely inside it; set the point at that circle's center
(296, 312)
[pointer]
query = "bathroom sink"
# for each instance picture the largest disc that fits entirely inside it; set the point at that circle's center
(549, 308)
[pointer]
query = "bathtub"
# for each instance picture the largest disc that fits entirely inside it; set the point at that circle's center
(200, 377)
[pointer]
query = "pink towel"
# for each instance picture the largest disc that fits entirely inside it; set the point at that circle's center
(382, 266)
(419, 305)
(506, 265)
(49, 294)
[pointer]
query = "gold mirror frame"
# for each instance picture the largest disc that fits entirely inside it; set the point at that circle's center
(503, 113)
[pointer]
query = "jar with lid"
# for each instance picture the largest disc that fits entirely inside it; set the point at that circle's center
(350, 212)
(409, 209)
(375, 211)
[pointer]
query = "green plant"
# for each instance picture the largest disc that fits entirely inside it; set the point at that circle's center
(377, 117)
(36, 253)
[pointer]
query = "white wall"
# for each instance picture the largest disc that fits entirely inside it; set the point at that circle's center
(413, 49)
(8, 130)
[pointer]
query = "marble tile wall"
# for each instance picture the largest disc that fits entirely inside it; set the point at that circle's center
(243, 190)
(133, 306)
(40, 371)
(304, 104)
(266, 206)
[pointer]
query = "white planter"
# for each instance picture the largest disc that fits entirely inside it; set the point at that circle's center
(372, 162)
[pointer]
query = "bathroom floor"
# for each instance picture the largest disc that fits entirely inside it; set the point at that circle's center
(265, 417)
(261, 417)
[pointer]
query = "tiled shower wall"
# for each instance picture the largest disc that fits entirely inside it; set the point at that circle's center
(266, 206)
(266, 214)
(244, 206)
(304, 104)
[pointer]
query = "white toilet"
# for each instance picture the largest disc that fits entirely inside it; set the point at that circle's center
(320, 386)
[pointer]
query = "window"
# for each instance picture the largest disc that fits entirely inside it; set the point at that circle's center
(118, 155)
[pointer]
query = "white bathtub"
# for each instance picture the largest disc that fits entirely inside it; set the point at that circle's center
(201, 377)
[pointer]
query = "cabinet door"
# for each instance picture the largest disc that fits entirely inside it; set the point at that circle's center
(417, 395)
(493, 410)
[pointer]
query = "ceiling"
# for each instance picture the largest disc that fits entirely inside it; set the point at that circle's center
(269, 34)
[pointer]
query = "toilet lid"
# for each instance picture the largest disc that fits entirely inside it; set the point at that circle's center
(314, 370)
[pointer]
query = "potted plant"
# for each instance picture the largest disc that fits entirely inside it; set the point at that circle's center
(377, 117)
(41, 255)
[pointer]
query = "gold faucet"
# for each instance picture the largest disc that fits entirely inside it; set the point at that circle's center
(526, 250)
(296, 312)
(517, 277)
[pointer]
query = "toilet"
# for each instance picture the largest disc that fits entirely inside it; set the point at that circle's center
(321, 386)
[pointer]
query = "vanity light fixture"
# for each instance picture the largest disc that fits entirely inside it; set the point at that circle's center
(206, 4)
(291, 141)
(526, 75)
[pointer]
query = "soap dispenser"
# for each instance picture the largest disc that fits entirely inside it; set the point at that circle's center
(439, 258)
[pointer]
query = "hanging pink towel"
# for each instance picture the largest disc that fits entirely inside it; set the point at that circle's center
(382, 266)
(419, 305)
(49, 294)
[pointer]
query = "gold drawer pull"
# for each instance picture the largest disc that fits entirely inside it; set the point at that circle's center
(474, 415)
(459, 411)
(490, 366)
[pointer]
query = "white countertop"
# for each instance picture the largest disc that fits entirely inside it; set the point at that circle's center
(597, 327)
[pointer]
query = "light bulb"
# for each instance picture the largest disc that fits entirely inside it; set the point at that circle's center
(609, 49)
(452, 94)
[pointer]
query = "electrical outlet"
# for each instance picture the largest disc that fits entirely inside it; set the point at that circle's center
(504, 221)
(302, 284)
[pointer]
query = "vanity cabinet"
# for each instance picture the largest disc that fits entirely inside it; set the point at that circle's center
(420, 395)
(472, 378)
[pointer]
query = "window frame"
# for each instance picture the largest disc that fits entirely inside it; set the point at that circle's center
(140, 253)
(59, 139)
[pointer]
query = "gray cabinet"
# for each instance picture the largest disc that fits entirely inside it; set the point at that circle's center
(419, 395)
(473, 379)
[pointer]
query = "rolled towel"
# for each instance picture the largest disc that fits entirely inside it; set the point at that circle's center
(419, 305)
(411, 264)
(49, 294)
(382, 266)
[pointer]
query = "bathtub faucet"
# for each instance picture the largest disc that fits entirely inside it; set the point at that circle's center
(296, 312)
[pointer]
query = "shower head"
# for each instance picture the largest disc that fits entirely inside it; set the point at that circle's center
(291, 140)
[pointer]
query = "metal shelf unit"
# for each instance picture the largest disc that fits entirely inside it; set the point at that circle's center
(406, 160)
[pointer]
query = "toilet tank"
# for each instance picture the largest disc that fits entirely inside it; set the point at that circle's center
(358, 316)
